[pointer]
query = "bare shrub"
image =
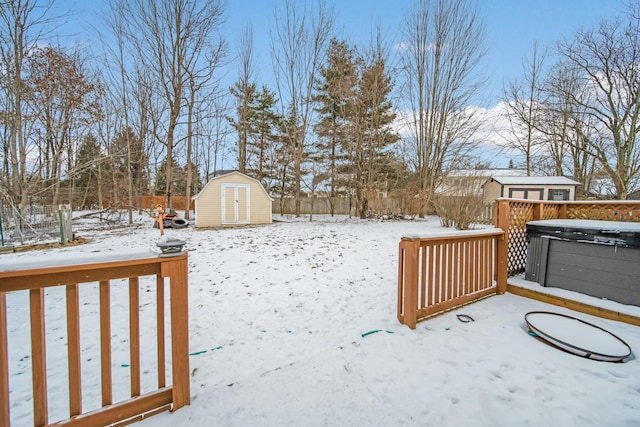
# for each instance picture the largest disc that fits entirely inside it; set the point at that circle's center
(457, 211)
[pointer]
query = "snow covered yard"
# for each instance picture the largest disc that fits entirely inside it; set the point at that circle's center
(283, 322)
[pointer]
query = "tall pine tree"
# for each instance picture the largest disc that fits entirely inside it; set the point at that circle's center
(374, 133)
(335, 97)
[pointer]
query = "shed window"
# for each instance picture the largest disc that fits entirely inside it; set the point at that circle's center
(526, 193)
(556, 194)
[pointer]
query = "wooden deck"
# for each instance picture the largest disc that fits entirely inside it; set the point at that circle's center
(580, 303)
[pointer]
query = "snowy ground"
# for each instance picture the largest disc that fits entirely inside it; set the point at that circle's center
(282, 321)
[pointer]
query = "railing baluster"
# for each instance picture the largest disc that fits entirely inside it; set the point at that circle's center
(38, 357)
(481, 261)
(4, 363)
(466, 263)
(437, 281)
(105, 342)
(456, 270)
(491, 250)
(481, 257)
(449, 260)
(474, 266)
(134, 335)
(429, 276)
(73, 350)
(424, 288)
(162, 377)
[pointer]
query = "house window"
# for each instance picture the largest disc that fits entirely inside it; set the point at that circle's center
(556, 194)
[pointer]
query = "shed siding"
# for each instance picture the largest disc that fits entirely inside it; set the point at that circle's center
(492, 191)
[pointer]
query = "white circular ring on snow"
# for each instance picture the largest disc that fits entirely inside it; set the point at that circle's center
(577, 336)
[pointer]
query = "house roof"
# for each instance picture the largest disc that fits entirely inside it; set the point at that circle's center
(486, 172)
(534, 180)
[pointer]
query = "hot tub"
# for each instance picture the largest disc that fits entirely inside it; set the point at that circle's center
(597, 258)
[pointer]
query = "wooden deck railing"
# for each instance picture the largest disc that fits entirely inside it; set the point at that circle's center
(94, 268)
(512, 215)
(439, 273)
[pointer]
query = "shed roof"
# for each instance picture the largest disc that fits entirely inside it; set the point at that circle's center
(221, 177)
(534, 180)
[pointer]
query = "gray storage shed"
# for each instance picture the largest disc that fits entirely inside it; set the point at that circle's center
(529, 188)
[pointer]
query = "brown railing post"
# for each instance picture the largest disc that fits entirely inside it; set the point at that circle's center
(538, 210)
(502, 245)
(411, 249)
(177, 271)
(562, 211)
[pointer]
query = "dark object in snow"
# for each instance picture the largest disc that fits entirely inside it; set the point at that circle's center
(178, 223)
(577, 337)
(172, 220)
(171, 247)
(364, 334)
(465, 318)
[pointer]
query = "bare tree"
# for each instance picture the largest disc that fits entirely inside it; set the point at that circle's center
(20, 21)
(244, 91)
(443, 43)
(523, 102)
(122, 85)
(298, 44)
(607, 58)
(213, 132)
(175, 40)
(566, 126)
(64, 97)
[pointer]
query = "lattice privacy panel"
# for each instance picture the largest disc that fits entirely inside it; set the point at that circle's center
(519, 214)
(605, 211)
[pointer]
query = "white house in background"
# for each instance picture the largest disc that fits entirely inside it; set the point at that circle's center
(232, 199)
(530, 188)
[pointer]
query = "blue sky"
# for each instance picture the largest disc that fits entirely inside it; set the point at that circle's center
(512, 27)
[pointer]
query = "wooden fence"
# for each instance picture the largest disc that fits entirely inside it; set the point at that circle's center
(341, 206)
(438, 273)
(512, 216)
(486, 214)
(149, 202)
(48, 275)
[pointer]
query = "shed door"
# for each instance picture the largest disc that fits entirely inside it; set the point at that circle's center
(235, 204)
